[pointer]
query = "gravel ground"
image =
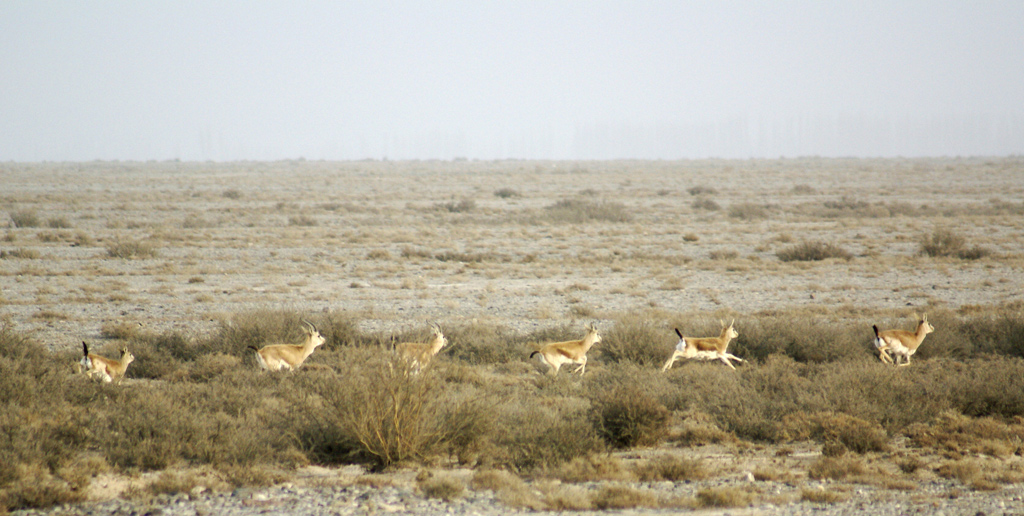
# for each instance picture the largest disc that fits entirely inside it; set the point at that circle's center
(933, 498)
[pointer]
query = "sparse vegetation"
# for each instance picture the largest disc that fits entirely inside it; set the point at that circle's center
(382, 261)
(25, 219)
(575, 211)
(812, 252)
(507, 193)
(131, 249)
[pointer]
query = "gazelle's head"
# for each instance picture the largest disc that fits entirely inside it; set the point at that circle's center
(592, 333)
(126, 356)
(729, 332)
(924, 325)
(313, 334)
(438, 336)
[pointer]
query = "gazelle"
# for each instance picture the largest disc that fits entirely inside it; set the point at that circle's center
(419, 354)
(276, 357)
(901, 343)
(573, 351)
(107, 369)
(705, 348)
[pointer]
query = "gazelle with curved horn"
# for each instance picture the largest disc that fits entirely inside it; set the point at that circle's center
(569, 352)
(705, 348)
(419, 354)
(276, 357)
(106, 369)
(901, 343)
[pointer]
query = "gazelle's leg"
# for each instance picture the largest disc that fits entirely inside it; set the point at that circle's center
(582, 368)
(671, 360)
(884, 356)
(725, 360)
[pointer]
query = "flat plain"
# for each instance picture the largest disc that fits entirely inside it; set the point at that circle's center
(520, 243)
(117, 253)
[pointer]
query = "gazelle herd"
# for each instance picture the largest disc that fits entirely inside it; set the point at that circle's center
(278, 357)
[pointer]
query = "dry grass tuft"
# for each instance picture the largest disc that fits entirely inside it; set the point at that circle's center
(724, 497)
(577, 211)
(813, 251)
(821, 496)
(836, 468)
(672, 468)
(623, 497)
(131, 249)
(441, 486)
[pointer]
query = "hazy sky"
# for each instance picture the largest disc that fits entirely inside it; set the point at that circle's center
(520, 79)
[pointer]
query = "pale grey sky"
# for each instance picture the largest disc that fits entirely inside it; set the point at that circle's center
(519, 79)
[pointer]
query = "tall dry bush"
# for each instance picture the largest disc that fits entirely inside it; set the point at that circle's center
(627, 415)
(639, 341)
(380, 411)
(543, 434)
(805, 339)
(478, 343)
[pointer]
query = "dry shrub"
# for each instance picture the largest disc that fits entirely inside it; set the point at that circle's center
(576, 211)
(380, 412)
(539, 434)
(35, 486)
(212, 366)
(623, 497)
(130, 249)
(836, 468)
(910, 464)
(805, 339)
(698, 428)
(462, 206)
(568, 498)
(701, 190)
(833, 449)
(302, 220)
(25, 219)
(983, 484)
(812, 252)
(124, 330)
(593, 468)
(942, 242)
(853, 433)
(821, 496)
(966, 471)
(748, 211)
(173, 482)
(724, 497)
(510, 489)
(637, 340)
(21, 253)
(706, 204)
(957, 433)
(479, 343)
(628, 416)
(991, 386)
(507, 193)
(444, 487)
(239, 475)
(672, 468)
